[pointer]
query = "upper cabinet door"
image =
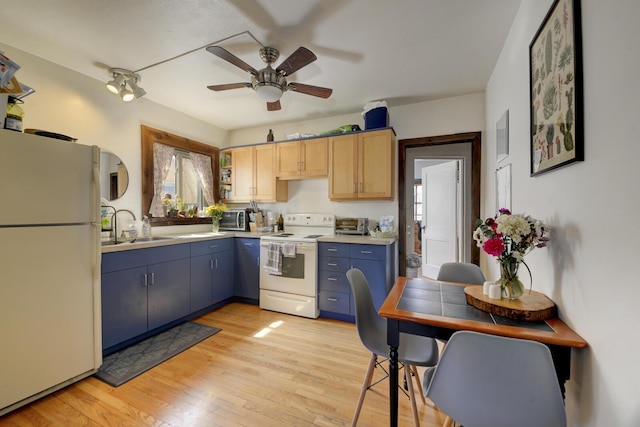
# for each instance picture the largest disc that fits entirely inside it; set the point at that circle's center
(375, 167)
(242, 176)
(288, 160)
(314, 155)
(264, 173)
(343, 167)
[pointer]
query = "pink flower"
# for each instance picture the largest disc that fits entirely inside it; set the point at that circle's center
(493, 246)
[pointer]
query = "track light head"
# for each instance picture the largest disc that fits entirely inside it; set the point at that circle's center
(138, 92)
(122, 78)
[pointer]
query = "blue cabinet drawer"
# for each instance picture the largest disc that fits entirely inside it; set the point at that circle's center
(333, 249)
(334, 264)
(335, 302)
(377, 252)
(335, 281)
(211, 246)
(123, 260)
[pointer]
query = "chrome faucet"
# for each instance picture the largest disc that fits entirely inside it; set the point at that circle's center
(114, 220)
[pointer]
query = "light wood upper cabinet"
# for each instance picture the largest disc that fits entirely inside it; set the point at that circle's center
(254, 175)
(302, 159)
(361, 166)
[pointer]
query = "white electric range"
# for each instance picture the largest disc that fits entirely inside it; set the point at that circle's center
(289, 264)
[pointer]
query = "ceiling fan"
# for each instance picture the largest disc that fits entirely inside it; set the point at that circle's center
(271, 83)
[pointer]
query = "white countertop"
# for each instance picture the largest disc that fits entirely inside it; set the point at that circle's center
(173, 239)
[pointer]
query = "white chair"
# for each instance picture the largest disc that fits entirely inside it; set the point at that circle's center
(491, 381)
(413, 350)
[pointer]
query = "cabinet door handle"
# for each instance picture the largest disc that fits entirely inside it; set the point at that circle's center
(153, 279)
(258, 261)
(332, 279)
(332, 299)
(332, 264)
(332, 250)
(355, 187)
(366, 252)
(215, 263)
(145, 282)
(213, 246)
(302, 166)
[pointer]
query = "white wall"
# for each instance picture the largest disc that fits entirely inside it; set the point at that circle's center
(590, 268)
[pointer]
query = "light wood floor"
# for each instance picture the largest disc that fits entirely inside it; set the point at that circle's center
(298, 372)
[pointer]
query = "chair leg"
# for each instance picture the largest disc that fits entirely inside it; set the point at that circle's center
(414, 370)
(365, 386)
(448, 422)
(412, 395)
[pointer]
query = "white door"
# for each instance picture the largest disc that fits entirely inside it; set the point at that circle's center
(439, 216)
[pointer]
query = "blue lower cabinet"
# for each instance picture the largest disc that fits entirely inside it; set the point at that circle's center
(143, 289)
(377, 262)
(212, 274)
(247, 269)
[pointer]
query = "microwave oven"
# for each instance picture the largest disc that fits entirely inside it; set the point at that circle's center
(235, 220)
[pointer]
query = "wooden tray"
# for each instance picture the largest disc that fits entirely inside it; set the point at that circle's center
(531, 306)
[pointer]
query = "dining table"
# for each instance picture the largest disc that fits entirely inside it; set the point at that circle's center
(438, 309)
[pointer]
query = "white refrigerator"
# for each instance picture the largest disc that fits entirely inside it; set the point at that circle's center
(50, 322)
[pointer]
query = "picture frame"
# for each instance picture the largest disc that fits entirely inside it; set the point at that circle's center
(555, 88)
(502, 137)
(503, 187)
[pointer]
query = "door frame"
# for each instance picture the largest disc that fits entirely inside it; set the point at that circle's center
(475, 139)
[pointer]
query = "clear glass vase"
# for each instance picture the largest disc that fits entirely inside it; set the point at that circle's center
(512, 287)
(216, 225)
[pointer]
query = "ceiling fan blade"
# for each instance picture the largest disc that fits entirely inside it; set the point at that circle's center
(273, 106)
(320, 92)
(229, 86)
(229, 57)
(298, 59)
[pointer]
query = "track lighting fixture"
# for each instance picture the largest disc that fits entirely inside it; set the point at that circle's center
(125, 84)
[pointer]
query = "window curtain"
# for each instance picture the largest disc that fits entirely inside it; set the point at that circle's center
(162, 156)
(202, 165)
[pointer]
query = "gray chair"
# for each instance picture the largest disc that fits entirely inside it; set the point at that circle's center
(491, 381)
(461, 272)
(413, 350)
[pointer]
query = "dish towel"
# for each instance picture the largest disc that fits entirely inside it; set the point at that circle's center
(289, 250)
(274, 258)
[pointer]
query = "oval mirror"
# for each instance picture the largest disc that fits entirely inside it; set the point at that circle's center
(114, 177)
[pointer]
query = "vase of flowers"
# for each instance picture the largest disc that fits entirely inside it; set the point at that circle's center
(509, 238)
(215, 212)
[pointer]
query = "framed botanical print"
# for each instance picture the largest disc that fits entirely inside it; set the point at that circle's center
(555, 76)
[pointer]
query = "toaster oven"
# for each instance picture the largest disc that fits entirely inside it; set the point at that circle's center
(352, 226)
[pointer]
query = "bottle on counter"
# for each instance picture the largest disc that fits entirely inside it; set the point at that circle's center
(146, 227)
(280, 222)
(270, 136)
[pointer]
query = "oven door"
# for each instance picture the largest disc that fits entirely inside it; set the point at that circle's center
(299, 274)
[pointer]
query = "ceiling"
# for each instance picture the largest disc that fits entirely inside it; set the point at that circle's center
(401, 51)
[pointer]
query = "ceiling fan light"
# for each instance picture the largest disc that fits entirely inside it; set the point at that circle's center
(269, 93)
(138, 92)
